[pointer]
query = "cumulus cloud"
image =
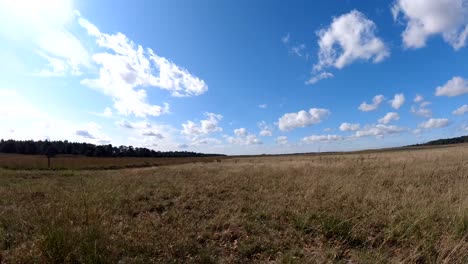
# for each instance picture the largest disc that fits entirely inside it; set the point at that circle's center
(389, 117)
(240, 132)
(84, 133)
(425, 18)
(418, 98)
(133, 125)
(454, 87)
(379, 130)
(127, 67)
(434, 123)
(206, 126)
(349, 127)
(281, 140)
(461, 110)
(243, 137)
(124, 124)
(265, 129)
(322, 138)
(266, 133)
(152, 134)
(421, 109)
(397, 101)
(376, 101)
(316, 78)
(302, 118)
(349, 38)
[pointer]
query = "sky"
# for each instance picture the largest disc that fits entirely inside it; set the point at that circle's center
(234, 77)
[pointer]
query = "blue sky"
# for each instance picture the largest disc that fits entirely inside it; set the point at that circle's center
(234, 77)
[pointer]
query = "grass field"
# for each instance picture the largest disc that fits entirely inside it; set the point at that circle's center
(28, 162)
(400, 206)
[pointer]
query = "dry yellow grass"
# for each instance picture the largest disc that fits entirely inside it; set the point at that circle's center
(405, 207)
(18, 161)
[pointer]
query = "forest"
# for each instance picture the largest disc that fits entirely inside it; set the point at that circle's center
(52, 148)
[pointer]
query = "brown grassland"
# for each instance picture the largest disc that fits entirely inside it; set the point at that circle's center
(406, 206)
(75, 162)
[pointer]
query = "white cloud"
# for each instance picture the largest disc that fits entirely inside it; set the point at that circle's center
(418, 98)
(461, 110)
(129, 67)
(389, 117)
(320, 76)
(243, 137)
(434, 123)
(302, 118)
(265, 129)
(379, 130)
(240, 132)
(285, 39)
(349, 127)
(175, 79)
(298, 50)
(46, 27)
(397, 101)
(263, 106)
(64, 52)
(107, 112)
(281, 140)
(426, 18)
(376, 101)
(210, 125)
(454, 87)
(421, 109)
(266, 133)
(151, 135)
(322, 138)
(350, 37)
(22, 119)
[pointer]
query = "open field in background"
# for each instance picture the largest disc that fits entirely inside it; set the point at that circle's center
(75, 162)
(396, 206)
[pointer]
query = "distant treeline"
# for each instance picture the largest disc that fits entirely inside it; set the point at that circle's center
(446, 141)
(40, 147)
